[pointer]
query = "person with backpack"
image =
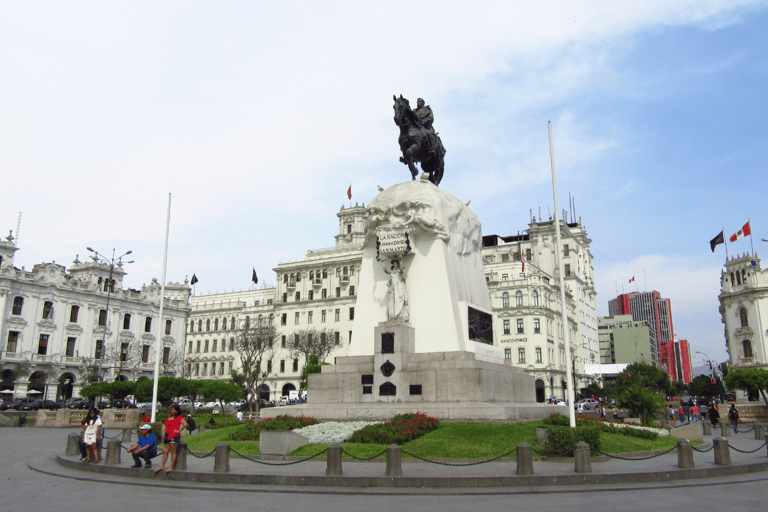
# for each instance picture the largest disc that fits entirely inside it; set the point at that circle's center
(733, 416)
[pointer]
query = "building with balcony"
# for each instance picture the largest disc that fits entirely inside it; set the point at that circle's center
(744, 310)
(524, 283)
(57, 333)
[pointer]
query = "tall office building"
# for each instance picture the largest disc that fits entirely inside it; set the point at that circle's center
(654, 310)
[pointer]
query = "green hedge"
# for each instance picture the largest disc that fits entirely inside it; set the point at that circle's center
(561, 440)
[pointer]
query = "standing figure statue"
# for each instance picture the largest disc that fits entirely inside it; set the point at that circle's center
(397, 297)
(418, 140)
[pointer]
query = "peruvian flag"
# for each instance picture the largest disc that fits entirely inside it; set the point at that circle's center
(744, 231)
(349, 192)
(633, 278)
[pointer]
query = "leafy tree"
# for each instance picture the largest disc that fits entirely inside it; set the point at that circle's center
(594, 390)
(312, 342)
(312, 367)
(748, 379)
(95, 390)
(255, 345)
(121, 389)
(678, 388)
(220, 391)
(702, 386)
(168, 388)
(645, 376)
(641, 402)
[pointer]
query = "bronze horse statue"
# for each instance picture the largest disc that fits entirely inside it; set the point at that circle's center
(418, 143)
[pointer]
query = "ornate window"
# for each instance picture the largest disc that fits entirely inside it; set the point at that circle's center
(73, 313)
(18, 304)
(746, 346)
(519, 299)
(505, 300)
(535, 298)
(744, 317)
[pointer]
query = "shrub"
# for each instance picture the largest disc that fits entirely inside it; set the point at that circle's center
(561, 440)
(250, 431)
(401, 429)
(557, 419)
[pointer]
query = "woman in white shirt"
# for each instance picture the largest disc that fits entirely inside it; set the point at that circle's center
(91, 435)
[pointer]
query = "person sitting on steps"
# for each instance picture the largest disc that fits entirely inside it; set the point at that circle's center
(145, 448)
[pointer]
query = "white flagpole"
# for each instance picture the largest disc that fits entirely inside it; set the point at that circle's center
(564, 306)
(160, 326)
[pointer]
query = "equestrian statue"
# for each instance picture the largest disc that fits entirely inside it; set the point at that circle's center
(418, 140)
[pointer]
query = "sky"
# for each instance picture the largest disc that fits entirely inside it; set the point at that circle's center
(257, 116)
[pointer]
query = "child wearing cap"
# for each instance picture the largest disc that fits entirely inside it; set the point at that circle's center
(145, 448)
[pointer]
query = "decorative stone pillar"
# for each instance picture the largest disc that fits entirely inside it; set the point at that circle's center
(524, 459)
(684, 454)
(181, 456)
(394, 461)
(722, 452)
(725, 429)
(581, 461)
(707, 426)
(221, 458)
(113, 452)
(760, 431)
(72, 448)
(333, 466)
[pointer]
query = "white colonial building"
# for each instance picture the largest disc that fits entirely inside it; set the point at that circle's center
(321, 291)
(316, 292)
(524, 283)
(58, 333)
(744, 310)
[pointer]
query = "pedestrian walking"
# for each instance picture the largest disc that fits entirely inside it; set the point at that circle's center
(671, 415)
(733, 416)
(682, 414)
(714, 415)
(695, 412)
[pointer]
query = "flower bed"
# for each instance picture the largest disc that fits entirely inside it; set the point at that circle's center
(250, 431)
(401, 429)
(330, 432)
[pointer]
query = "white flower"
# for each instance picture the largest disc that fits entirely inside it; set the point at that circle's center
(332, 431)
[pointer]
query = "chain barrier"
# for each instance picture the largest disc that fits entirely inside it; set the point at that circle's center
(107, 437)
(198, 456)
(638, 458)
(747, 431)
(747, 451)
(246, 457)
(458, 463)
(364, 458)
(704, 451)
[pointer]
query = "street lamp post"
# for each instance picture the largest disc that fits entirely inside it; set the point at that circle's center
(111, 262)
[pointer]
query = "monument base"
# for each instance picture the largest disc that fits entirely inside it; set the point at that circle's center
(492, 412)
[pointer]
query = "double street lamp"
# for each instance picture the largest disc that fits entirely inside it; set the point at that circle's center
(112, 262)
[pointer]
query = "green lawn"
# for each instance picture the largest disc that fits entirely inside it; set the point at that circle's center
(450, 440)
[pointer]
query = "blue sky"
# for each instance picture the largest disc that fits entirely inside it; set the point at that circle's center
(257, 116)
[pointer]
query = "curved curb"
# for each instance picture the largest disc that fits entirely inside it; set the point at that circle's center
(448, 482)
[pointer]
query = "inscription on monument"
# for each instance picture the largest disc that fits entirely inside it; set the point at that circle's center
(387, 389)
(387, 343)
(393, 243)
(480, 326)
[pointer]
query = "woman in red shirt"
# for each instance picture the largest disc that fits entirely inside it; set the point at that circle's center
(172, 428)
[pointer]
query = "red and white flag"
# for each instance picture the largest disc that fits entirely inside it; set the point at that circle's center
(633, 278)
(744, 231)
(349, 192)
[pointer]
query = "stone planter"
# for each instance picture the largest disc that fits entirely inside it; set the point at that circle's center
(272, 442)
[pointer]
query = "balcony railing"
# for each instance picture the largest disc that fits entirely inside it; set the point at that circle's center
(317, 283)
(291, 284)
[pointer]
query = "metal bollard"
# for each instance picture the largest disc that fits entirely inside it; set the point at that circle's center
(333, 460)
(394, 461)
(759, 432)
(113, 452)
(725, 429)
(72, 448)
(221, 458)
(524, 459)
(722, 452)
(684, 454)
(126, 435)
(581, 461)
(181, 456)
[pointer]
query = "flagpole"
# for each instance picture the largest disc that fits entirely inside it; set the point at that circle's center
(563, 304)
(160, 326)
(751, 244)
(725, 242)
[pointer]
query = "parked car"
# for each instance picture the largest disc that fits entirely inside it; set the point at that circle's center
(77, 403)
(17, 404)
(38, 404)
(122, 404)
(588, 403)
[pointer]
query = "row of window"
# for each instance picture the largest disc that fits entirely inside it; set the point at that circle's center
(12, 346)
(521, 326)
(196, 369)
(74, 313)
(295, 278)
(214, 346)
(519, 299)
(521, 355)
(311, 316)
(323, 294)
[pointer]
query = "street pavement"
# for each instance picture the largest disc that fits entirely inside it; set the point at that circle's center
(24, 489)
